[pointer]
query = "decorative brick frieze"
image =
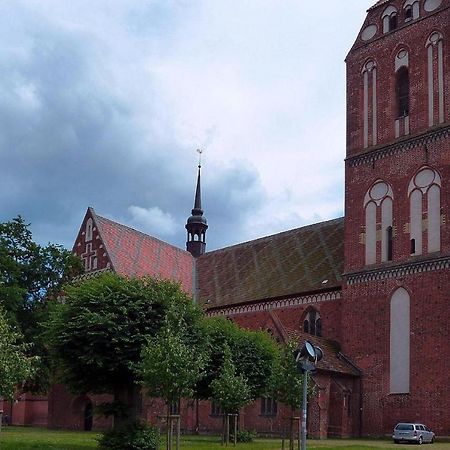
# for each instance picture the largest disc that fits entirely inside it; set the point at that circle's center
(398, 271)
(89, 275)
(399, 147)
(276, 304)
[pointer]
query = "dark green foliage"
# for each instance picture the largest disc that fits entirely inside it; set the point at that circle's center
(29, 275)
(245, 436)
(137, 436)
(96, 335)
(253, 354)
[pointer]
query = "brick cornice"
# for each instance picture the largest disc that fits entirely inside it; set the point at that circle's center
(402, 270)
(369, 157)
(276, 304)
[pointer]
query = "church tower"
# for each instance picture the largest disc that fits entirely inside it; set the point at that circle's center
(396, 307)
(197, 225)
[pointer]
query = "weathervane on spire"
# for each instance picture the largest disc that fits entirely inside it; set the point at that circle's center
(199, 151)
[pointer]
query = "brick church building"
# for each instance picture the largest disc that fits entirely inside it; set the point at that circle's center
(372, 288)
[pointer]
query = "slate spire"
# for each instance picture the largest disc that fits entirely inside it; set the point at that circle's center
(197, 225)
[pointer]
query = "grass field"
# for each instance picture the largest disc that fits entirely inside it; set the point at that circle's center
(16, 438)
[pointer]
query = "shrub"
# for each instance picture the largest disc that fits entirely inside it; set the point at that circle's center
(138, 436)
(245, 436)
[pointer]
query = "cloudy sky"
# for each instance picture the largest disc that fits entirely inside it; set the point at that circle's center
(104, 102)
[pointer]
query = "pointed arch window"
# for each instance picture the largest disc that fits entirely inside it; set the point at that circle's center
(390, 19)
(425, 210)
(402, 91)
(378, 204)
(312, 323)
(411, 10)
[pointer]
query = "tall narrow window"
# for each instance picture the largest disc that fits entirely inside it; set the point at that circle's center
(408, 13)
(402, 90)
(436, 107)
(89, 225)
(400, 342)
(412, 10)
(425, 210)
(378, 203)
(389, 232)
(370, 115)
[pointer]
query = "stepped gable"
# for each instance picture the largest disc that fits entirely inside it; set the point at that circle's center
(300, 261)
(135, 254)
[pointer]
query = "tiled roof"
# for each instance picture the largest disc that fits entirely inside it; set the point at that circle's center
(136, 254)
(303, 260)
(333, 360)
(378, 3)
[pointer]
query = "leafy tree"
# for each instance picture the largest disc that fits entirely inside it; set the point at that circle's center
(253, 354)
(230, 390)
(287, 382)
(29, 275)
(173, 361)
(15, 366)
(96, 335)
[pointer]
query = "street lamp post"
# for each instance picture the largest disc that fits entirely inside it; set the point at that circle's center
(306, 359)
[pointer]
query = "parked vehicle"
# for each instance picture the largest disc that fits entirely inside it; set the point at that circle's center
(412, 432)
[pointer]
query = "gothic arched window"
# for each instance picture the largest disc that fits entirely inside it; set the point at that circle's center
(390, 19)
(378, 204)
(426, 184)
(402, 92)
(411, 9)
(312, 323)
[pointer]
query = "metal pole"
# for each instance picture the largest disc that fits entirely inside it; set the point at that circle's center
(302, 446)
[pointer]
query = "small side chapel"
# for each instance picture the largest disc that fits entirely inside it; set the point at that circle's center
(372, 288)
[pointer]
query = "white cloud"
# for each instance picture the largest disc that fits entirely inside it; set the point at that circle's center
(153, 220)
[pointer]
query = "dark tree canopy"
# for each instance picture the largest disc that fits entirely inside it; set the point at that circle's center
(97, 333)
(29, 275)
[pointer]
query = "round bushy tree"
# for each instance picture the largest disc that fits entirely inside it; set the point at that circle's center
(96, 334)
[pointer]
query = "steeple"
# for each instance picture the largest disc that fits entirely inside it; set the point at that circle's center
(197, 225)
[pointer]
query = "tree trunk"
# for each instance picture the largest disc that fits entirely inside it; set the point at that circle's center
(131, 397)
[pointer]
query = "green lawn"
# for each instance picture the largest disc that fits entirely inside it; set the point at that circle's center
(16, 438)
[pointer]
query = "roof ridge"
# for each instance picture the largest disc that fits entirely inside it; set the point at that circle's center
(281, 233)
(142, 233)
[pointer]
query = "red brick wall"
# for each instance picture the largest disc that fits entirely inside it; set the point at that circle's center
(397, 170)
(383, 50)
(366, 338)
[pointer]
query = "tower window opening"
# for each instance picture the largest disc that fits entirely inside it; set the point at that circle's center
(402, 89)
(389, 232)
(413, 246)
(393, 21)
(408, 13)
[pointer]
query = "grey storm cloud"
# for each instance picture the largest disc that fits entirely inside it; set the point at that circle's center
(67, 142)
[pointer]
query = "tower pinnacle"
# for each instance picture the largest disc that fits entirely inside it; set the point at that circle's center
(197, 225)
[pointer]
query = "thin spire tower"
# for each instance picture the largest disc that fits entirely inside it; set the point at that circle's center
(197, 225)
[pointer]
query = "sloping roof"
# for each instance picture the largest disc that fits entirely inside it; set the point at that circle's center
(378, 3)
(306, 259)
(135, 254)
(333, 360)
